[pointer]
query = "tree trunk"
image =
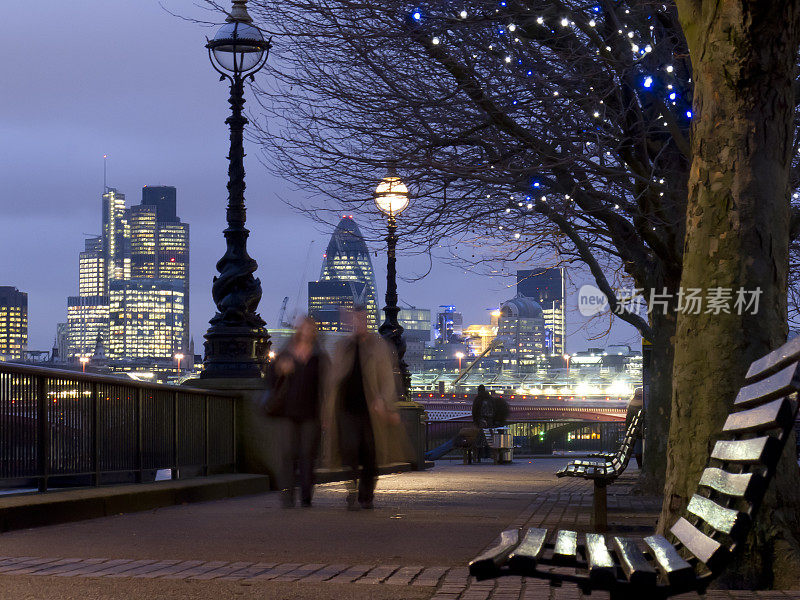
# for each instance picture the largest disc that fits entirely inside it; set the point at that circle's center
(743, 56)
(659, 399)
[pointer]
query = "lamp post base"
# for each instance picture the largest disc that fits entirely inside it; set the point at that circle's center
(235, 352)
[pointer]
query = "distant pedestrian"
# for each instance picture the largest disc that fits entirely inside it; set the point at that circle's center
(362, 425)
(483, 408)
(636, 404)
(500, 411)
(298, 377)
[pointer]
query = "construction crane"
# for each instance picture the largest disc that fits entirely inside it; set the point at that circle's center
(495, 343)
(282, 314)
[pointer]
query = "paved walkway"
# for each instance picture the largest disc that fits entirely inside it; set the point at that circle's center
(415, 544)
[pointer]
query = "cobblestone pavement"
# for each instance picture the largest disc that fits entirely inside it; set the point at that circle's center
(414, 545)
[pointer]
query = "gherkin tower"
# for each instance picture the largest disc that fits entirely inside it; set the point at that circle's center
(347, 260)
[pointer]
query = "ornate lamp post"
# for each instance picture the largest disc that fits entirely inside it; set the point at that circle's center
(236, 342)
(391, 198)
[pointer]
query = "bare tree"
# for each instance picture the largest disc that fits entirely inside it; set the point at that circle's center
(523, 127)
(568, 124)
(737, 236)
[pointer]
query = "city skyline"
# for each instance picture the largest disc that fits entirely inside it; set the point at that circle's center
(106, 106)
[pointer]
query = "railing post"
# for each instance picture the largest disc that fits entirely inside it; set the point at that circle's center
(174, 435)
(233, 434)
(43, 427)
(96, 434)
(138, 435)
(206, 448)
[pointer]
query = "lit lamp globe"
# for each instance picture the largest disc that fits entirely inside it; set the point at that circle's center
(391, 195)
(238, 47)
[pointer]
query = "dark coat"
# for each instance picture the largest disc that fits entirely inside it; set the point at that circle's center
(301, 390)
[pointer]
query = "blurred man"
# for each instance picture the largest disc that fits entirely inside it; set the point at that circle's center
(361, 421)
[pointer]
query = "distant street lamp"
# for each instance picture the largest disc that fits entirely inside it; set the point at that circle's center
(84, 360)
(392, 198)
(236, 342)
(179, 358)
(459, 356)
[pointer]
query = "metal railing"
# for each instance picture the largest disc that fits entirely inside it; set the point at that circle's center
(65, 428)
(540, 437)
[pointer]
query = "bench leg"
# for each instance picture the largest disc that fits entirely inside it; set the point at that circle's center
(600, 513)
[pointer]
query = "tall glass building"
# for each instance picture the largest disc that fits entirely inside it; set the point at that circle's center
(146, 318)
(547, 287)
(13, 322)
(133, 281)
(346, 261)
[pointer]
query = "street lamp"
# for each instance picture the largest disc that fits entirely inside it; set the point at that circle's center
(391, 198)
(179, 358)
(459, 356)
(84, 360)
(236, 342)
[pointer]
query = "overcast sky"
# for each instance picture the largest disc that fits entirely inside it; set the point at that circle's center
(123, 77)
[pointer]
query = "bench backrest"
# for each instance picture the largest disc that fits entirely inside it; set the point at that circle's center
(620, 461)
(742, 462)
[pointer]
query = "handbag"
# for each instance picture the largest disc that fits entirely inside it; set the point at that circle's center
(273, 400)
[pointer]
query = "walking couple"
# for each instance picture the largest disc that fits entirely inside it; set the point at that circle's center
(352, 399)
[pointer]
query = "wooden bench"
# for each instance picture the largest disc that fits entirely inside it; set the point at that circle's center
(715, 523)
(605, 470)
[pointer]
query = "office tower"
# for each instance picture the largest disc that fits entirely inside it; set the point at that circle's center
(13, 322)
(346, 260)
(114, 235)
(143, 241)
(87, 313)
(165, 200)
(87, 318)
(328, 299)
(522, 327)
(146, 318)
(449, 325)
(547, 287)
(416, 323)
(92, 275)
(140, 265)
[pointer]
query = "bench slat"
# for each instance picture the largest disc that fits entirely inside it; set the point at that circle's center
(777, 413)
(634, 563)
(755, 450)
(722, 519)
(676, 570)
(489, 562)
(566, 547)
(599, 559)
(782, 383)
(775, 360)
(737, 485)
(706, 549)
(526, 554)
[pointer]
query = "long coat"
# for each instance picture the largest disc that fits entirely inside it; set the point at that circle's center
(380, 389)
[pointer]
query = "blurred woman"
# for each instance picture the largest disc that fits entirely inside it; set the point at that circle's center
(298, 375)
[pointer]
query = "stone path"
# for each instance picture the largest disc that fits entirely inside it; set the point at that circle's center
(414, 545)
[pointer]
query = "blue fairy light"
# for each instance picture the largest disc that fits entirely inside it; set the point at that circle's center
(648, 82)
(416, 15)
(673, 95)
(688, 114)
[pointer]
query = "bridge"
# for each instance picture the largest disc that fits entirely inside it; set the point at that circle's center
(527, 408)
